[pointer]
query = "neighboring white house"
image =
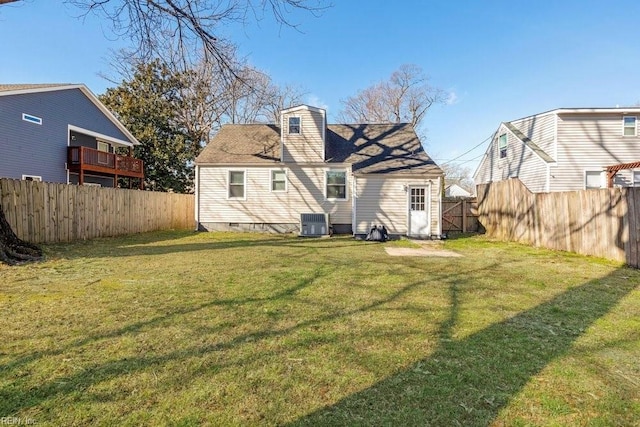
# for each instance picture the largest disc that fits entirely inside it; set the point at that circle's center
(265, 176)
(564, 149)
(454, 190)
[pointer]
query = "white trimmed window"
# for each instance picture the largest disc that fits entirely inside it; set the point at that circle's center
(237, 184)
(502, 145)
(592, 179)
(336, 188)
(104, 146)
(31, 178)
(629, 126)
(279, 180)
(103, 149)
(294, 125)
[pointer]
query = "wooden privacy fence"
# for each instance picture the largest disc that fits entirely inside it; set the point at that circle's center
(47, 213)
(603, 223)
(459, 215)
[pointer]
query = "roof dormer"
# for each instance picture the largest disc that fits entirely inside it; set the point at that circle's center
(303, 133)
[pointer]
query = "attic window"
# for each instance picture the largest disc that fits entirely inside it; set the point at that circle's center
(294, 125)
(629, 126)
(502, 145)
(31, 119)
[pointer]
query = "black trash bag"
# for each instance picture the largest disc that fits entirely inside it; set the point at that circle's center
(378, 234)
(385, 234)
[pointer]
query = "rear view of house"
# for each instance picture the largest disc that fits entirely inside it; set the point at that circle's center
(301, 172)
(566, 149)
(63, 133)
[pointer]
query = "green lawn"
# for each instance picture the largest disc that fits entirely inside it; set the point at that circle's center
(184, 328)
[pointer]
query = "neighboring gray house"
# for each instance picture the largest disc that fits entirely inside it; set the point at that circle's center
(63, 133)
(564, 149)
(265, 177)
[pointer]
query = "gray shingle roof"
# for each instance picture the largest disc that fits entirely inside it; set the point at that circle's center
(369, 148)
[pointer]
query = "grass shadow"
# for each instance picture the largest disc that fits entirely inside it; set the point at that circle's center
(467, 382)
(165, 243)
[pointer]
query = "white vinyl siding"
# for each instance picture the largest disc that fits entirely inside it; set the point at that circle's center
(308, 145)
(591, 142)
(541, 129)
(261, 205)
(384, 201)
(520, 162)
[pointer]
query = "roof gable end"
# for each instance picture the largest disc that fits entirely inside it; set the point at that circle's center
(21, 89)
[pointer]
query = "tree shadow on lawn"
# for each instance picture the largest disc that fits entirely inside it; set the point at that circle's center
(146, 245)
(17, 397)
(467, 382)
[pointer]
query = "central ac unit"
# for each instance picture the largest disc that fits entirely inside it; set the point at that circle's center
(314, 224)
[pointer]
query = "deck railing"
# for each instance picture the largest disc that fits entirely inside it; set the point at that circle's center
(83, 157)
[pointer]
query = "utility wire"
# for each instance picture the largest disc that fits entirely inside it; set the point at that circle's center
(468, 151)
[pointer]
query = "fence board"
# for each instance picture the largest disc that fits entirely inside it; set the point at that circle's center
(603, 223)
(458, 215)
(48, 213)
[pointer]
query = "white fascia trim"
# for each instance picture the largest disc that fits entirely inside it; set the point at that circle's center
(555, 139)
(621, 110)
(527, 147)
(486, 152)
(282, 136)
(545, 113)
(197, 197)
(109, 114)
(40, 89)
(354, 203)
(103, 137)
(303, 107)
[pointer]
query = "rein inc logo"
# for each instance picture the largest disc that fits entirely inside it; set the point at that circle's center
(17, 421)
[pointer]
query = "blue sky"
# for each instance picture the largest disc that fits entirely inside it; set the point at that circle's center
(500, 60)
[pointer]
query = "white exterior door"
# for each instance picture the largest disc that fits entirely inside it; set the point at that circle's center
(419, 223)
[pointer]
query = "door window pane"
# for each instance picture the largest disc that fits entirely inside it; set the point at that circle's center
(418, 199)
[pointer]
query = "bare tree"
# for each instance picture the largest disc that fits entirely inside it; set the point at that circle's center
(253, 98)
(404, 98)
(455, 173)
(188, 26)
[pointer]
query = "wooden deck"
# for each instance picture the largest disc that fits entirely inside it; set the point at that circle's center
(83, 160)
